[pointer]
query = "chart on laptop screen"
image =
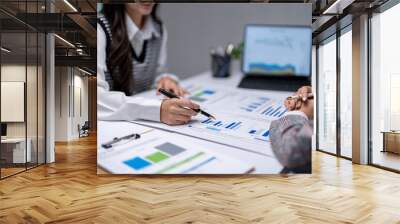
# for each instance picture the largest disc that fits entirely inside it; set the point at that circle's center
(278, 50)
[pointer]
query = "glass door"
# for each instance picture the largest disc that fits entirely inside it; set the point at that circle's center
(326, 83)
(13, 103)
(385, 89)
(22, 77)
(346, 92)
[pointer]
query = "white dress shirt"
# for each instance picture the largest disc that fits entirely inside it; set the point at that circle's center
(115, 105)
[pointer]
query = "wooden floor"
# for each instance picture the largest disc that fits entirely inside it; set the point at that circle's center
(69, 191)
(387, 159)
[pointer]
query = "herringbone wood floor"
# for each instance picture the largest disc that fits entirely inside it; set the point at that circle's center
(69, 191)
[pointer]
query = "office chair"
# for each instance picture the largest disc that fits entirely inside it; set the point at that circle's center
(84, 130)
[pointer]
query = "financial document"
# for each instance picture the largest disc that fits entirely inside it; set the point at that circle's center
(242, 120)
(158, 152)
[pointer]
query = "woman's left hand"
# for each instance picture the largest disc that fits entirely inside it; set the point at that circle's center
(169, 84)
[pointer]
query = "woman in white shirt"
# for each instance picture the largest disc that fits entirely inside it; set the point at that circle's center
(131, 57)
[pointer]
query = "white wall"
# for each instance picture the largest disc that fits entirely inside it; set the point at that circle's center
(194, 28)
(33, 126)
(71, 93)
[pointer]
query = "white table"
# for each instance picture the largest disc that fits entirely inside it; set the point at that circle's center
(262, 164)
(19, 154)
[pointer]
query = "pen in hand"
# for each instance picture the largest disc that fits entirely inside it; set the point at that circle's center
(172, 95)
(310, 96)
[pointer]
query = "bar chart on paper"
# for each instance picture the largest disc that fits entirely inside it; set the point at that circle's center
(263, 107)
(206, 95)
(156, 155)
(274, 111)
(243, 117)
(238, 128)
(237, 101)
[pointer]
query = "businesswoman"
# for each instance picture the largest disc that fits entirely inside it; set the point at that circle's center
(131, 57)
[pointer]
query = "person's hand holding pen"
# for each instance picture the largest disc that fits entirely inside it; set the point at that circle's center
(302, 100)
(176, 110)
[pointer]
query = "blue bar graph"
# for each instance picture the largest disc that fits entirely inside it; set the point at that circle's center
(266, 134)
(267, 110)
(255, 104)
(280, 115)
(218, 123)
(230, 125)
(206, 121)
(276, 110)
(208, 92)
(252, 131)
(235, 125)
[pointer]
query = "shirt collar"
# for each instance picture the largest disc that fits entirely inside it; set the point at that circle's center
(147, 31)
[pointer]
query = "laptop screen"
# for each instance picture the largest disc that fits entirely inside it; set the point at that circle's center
(277, 50)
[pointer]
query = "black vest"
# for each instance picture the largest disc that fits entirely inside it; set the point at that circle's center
(144, 66)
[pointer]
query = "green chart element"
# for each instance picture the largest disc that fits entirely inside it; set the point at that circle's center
(175, 165)
(156, 157)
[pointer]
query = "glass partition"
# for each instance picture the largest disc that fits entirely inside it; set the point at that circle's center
(327, 96)
(22, 87)
(385, 89)
(346, 92)
(41, 97)
(13, 109)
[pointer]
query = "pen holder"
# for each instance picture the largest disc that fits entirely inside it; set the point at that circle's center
(220, 66)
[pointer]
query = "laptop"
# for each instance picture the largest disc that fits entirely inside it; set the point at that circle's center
(276, 57)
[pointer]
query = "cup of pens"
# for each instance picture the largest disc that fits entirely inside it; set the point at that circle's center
(221, 61)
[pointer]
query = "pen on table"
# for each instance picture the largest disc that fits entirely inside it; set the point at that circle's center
(310, 96)
(172, 95)
(109, 144)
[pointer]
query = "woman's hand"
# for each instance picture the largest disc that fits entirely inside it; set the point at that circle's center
(175, 111)
(169, 84)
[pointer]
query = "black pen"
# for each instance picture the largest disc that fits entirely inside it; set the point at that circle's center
(172, 95)
(109, 144)
(309, 96)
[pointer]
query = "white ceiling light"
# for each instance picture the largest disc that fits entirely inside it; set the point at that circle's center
(65, 41)
(70, 5)
(5, 50)
(84, 71)
(338, 6)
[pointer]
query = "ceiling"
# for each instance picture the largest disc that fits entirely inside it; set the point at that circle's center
(72, 20)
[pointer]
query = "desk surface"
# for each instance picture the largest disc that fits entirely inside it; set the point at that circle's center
(13, 140)
(262, 164)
